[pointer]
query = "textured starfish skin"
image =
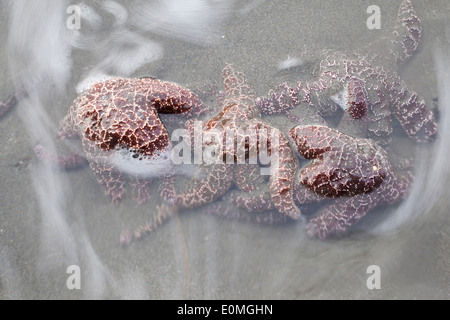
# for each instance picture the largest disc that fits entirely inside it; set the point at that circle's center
(125, 112)
(341, 165)
(336, 218)
(373, 77)
(74, 160)
(349, 176)
(241, 119)
(351, 173)
(121, 115)
(355, 171)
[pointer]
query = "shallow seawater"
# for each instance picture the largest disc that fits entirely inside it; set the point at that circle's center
(50, 220)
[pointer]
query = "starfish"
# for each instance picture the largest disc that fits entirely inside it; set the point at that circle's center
(240, 134)
(351, 174)
(341, 165)
(307, 114)
(373, 77)
(120, 130)
(355, 172)
(348, 176)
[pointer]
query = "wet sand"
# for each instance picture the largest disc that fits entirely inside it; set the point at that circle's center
(199, 256)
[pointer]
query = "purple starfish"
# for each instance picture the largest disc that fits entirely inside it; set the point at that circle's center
(240, 120)
(372, 77)
(355, 172)
(120, 130)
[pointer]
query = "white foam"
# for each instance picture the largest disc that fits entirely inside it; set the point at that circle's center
(115, 48)
(90, 80)
(196, 21)
(133, 164)
(89, 15)
(289, 63)
(117, 10)
(341, 98)
(126, 51)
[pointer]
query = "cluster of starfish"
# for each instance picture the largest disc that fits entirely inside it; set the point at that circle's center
(350, 169)
(366, 85)
(118, 123)
(240, 121)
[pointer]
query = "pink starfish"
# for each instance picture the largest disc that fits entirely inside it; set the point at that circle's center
(355, 172)
(240, 120)
(120, 130)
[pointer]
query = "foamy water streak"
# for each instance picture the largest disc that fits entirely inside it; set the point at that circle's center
(38, 44)
(197, 21)
(10, 280)
(142, 167)
(40, 54)
(115, 48)
(41, 63)
(430, 185)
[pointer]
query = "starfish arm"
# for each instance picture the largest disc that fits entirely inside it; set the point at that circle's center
(141, 189)
(236, 88)
(379, 126)
(395, 188)
(304, 195)
(74, 160)
(406, 34)
(314, 141)
(265, 218)
(167, 188)
(111, 179)
(279, 99)
(248, 177)
(163, 213)
(107, 175)
(167, 97)
(413, 114)
(67, 126)
(282, 175)
(336, 218)
(207, 189)
(255, 201)
(402, 43)
(254, 195)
